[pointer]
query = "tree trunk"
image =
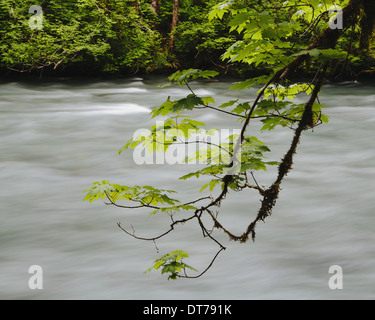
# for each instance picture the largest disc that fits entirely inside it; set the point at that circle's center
(155, 5)
(135, 5)
(367, 25)
(176, 7)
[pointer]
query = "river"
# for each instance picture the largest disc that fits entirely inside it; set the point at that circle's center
(57, 137)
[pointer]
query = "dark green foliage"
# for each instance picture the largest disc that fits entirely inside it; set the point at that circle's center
(112, 36)
(92, 36)
(126, 36)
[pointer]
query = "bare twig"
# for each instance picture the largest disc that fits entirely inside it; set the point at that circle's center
(209, 267)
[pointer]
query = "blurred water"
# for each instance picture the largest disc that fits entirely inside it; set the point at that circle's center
(56, 138)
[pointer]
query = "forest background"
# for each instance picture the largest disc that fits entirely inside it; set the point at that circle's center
(125, 37)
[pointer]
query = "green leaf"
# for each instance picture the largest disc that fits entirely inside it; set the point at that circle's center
(208, 100)
(315, 3)
(216, 169)
(324, 118)
(173, 209)
(313, 53)
(242, 107)
(187, 103)
(171, 263)
(332, 54)
(249, 83)
(324, 54)
(190, 175)
(163, 109)
(181, 77)
(99, 190)
(219, 11)
(146, 195)
(239, 19)
(212, 184)
(228, 104)
(271, 122)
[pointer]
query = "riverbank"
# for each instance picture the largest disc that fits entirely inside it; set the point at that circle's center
(364, 75)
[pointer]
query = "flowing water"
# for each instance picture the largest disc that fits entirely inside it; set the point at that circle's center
(58, 137)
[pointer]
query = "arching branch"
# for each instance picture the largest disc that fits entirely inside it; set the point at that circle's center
(326, 40)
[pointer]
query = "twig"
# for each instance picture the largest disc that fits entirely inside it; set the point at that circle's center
(201, 274)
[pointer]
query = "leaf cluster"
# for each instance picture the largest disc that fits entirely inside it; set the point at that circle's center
(172, 264)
